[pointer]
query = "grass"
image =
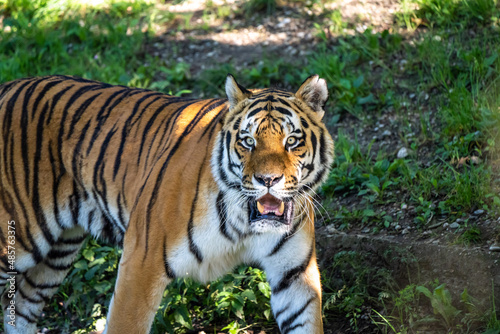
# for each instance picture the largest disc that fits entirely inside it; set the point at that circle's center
(431, 81)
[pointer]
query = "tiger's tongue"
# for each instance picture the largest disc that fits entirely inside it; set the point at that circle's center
(270, 204)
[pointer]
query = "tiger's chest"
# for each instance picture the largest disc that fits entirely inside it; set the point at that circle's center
(217, 241)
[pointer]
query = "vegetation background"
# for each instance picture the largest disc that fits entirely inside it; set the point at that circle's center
(414, 110)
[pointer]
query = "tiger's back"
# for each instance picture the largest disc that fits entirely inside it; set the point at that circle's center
(189, 188)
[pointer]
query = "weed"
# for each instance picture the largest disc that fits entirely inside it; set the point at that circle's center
(252, 6)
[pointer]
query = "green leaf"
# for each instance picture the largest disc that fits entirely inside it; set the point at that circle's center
(249, 294)
(264, 289)
(367, 99)
(368, 213)
(181, 315)
(88, 254)
(90, 274)
(345, 83)
(82, 264)
(425, 291)
(358, 81)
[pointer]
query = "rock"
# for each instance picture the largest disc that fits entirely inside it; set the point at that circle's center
(402, 153)
(366, 230)
(405, 231)
(386, 133)
(404, 206)
(454, 225)
(495, 248)
(397, 228)
(330, 229)
(446, 225)
(478, 212)
(435, 225)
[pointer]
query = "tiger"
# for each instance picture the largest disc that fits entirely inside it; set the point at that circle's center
(187, 187)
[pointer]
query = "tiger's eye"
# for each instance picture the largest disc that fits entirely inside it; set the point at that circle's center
(249, 141)
(291, 141)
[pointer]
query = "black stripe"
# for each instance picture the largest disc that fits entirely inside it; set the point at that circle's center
(285, 102)
(126, 131)
(285, 326)
(77, 153)
(283, 111)
(284, 239)
(40, 216)
(213, 124)
(254, 112)
(72, 241)
(314, 144)
(56, 181)
(317, 179)
(41, 285)
(2, 235)
(79, 112)
(150, 122)
(9, 112)
(322, 147)
(58, 267)
(5, 87)
(205, 109)
(222, 215)
(304, 122)
(24, 133)
(193, 248)
(294, 327)
(42, 94)
(60, 254)
(293, 274)
(168, 270)
(35, 251)
(103, 113)
(72, 99)
(26, 297)
(22, 315)
(121, 210)
(99, 171)
(280, 312)
(188, 129)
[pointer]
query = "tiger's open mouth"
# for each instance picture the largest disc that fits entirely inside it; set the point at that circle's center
(269, 207)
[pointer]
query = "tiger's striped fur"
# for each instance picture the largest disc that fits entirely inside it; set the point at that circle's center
(175, 181)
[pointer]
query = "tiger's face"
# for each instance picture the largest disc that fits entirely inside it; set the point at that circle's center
(274, 150)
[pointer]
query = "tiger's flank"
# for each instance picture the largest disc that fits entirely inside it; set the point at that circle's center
(188, 188)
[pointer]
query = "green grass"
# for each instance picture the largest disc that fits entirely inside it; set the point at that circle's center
(433, 77)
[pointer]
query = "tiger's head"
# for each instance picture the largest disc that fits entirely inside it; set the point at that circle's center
(273, 151)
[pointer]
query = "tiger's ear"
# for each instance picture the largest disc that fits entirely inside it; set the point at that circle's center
(235, 93)
(314, 92)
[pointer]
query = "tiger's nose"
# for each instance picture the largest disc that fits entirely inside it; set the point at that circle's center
(268, 180)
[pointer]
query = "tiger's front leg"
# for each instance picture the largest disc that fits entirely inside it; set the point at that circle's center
(293, 274)
(139, 288)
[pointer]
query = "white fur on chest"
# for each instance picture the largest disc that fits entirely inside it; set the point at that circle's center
(220, 254)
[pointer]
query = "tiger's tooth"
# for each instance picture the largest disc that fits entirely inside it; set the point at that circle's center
(282, 208)
(260, 207)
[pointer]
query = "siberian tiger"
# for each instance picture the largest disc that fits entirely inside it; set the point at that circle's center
(188, 187)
